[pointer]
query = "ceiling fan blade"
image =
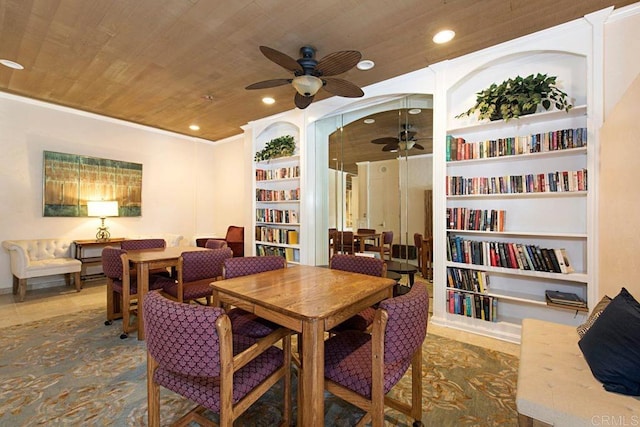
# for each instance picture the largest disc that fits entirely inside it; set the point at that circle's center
(302, 101)
(390, 147)
(385, 140)
(282, 59)
(418, 146)
(344, 88)
(269, 83)
(338, 62)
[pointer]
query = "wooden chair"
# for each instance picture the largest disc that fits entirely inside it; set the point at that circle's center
(246, 323)
(122, 290)
(385, 245)
(343, 242)
(362, 368)
(363, 265)
(196, 270)
(203, 360)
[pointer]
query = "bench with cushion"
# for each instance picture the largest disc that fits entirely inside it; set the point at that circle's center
(41, 257)
(556, 386)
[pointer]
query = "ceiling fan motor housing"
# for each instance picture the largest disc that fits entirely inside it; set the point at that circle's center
(308, 61)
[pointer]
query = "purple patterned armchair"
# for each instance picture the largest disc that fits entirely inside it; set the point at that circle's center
(362, 265)
(139, 244)
(191, 351)
(122, 291)
(361, 368)
(246, 323)
(196, 270)
(385, 245)
(216, 244)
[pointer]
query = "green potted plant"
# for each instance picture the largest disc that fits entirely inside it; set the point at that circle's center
(282, 146)
(517, 97)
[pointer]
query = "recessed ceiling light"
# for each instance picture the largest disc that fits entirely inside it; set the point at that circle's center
(268, 100)
(365, 64)
(369, 121)
(443, 36)
(415, 111)
(194, 127)
(11, 64)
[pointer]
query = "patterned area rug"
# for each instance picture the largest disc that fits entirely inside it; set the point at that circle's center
(73, 370)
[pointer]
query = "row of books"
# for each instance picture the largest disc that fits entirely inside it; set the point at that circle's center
(264, 195)
(475, 219)
(285, 216)
(290, 254)
(508, 255)
(280, 173)
(459, 149)
(559, 181)
(468, 280)
(276, 235)
(472, 305)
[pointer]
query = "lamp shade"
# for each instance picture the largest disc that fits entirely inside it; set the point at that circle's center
(307, 85)
(102, 208)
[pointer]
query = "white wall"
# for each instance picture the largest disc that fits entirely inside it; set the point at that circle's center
(178, 173)
(619, 224)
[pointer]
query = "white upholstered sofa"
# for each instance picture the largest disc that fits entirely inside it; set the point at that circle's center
(41, 257)
(556, 386)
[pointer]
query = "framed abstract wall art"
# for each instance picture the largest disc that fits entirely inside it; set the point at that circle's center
(70, 180)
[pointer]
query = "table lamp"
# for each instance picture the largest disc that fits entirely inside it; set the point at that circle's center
(102, 209)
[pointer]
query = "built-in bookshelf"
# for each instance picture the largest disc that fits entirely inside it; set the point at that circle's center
(516, 218)
(277, 211)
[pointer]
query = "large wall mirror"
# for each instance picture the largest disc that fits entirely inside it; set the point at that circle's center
(379, 171)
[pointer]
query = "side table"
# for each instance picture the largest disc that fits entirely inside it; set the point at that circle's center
(92, 260)
(403, 268)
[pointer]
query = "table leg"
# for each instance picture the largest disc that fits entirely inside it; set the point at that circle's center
(143, 288)
(411, 278)
(311, 387)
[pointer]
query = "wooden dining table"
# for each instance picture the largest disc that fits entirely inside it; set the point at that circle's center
(148, 259)
(361, 237)
(309, 300)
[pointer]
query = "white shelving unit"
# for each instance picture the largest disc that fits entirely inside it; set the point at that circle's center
(277, 200)
(546, 219)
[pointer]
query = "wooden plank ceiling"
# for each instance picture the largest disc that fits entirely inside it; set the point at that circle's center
(171, 63)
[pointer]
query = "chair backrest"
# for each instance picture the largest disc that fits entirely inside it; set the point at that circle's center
(387, 237)
(236, 267)
(215, 244)
(235, 234)
(406, 325)
(417, 241)
(182, 337)
(200, 265)
(358, 264)
(112, 262)
(138, 244)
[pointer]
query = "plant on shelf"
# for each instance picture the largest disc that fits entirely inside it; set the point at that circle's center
(518, 97)
(282, 146)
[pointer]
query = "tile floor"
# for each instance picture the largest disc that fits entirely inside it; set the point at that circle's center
(51, 302)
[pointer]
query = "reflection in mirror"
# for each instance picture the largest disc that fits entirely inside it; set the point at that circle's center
(380, 173)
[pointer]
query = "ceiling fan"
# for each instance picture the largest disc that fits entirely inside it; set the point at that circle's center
(310, 74)
(405, 141)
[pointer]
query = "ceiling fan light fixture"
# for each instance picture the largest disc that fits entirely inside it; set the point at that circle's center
(444, 36)
(307, 85)
(406, 145)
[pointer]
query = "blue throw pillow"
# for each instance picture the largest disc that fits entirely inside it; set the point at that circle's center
(611, 346)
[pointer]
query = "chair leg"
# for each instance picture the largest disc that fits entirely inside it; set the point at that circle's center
(22, 289)
(76, 281)
(286, 344)
(416, 385)
(153, 394)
